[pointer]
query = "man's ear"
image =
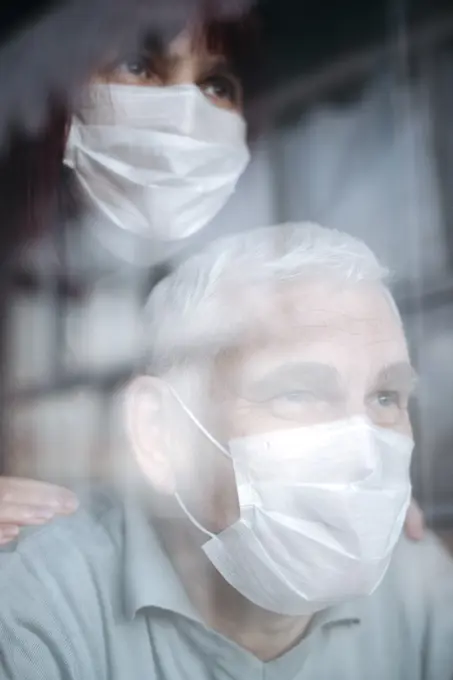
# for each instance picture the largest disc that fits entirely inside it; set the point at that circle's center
(146, 419)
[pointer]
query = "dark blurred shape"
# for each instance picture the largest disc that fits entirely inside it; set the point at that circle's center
(302, 36)
(313, 48)
(15, 15)
(30, 168)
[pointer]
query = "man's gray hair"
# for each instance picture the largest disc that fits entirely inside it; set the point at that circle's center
(206, 305)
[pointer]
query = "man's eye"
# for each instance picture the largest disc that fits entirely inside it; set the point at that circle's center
(300, 396)
(388, 408)
(389, 399)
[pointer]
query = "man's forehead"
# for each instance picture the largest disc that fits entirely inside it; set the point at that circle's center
(317, 298)
(315, 311)
(311, 322)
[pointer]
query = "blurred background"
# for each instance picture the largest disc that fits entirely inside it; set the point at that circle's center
(350, 112)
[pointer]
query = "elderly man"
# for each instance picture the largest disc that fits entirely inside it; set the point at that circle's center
(273, 442)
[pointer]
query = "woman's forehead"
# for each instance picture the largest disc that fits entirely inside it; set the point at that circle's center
(193, 44)
(194, 37)
(226, 41)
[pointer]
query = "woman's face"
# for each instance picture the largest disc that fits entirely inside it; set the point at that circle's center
(187, 59)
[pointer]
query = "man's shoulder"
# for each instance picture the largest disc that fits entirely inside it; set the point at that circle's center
(60, 592)
(418, 564)
(419, 581)
(68, 547)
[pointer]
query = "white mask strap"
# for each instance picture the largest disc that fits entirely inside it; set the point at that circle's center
(190, 517)
(214, 441)
(201, 427)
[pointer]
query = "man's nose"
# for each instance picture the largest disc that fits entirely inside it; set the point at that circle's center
(355, 405)
(367, 450)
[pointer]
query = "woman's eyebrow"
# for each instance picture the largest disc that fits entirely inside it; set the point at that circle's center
(152, 44)
(218, 65)
(149, 49)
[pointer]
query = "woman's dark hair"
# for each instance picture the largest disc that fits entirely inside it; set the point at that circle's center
(239, 41)
(30, 173)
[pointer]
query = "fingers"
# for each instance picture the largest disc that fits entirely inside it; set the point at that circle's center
(22, 515)
(415, 524)
(24, 502)
(8, 533)
(21, 499)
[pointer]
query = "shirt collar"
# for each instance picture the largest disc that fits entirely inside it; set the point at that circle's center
(149, 576)
(150, 579)
(346, 615)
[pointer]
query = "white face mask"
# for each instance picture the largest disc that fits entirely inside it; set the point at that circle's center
(321, 510)
(157, 161)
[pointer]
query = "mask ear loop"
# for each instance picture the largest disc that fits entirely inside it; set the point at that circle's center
(201, 427)
(214, 441)
(190, 517)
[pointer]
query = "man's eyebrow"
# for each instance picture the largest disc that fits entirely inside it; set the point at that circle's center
(294, 375)
(400, 374)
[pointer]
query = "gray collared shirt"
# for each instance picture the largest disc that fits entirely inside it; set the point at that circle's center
(94, 597)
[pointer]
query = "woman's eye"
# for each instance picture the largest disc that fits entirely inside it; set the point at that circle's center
(222, 88)
(138, 67)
